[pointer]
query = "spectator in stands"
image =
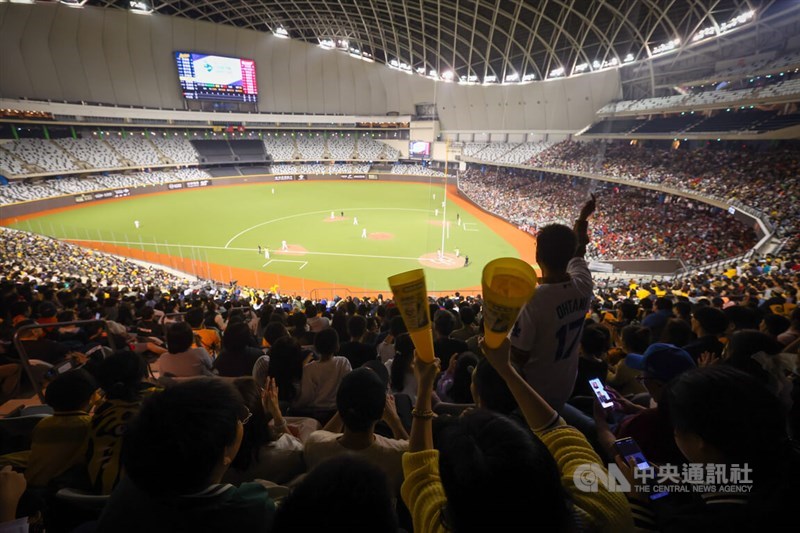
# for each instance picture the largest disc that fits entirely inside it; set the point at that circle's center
(774, 325)
(122, 380)
(361, 402)
(148, 326)
(238, 357)
(183, 360)
(58, 442)
(401, 368)
(209, 337)
(468, 329)
(677, 332)
(454, 384)
(544, 339)
(321, 378)
(355, 350)
(444, 323)
(38, 347)
(623, 378)
(176, 453)
(286, 363)
(658, 321)
(300, 329)
(708, 323)
(649, 426)
(592, 360)
(724, 416)
(344, 493)
(793, 333)
(523, 481)
(268, 450)
(386, 348)
(490, 391)
(759, 355)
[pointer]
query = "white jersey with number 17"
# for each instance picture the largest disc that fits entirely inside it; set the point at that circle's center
(549, 328)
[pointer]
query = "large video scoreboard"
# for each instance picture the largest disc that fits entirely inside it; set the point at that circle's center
(210, 77)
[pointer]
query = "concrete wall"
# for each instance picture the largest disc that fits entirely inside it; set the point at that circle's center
(113, 56)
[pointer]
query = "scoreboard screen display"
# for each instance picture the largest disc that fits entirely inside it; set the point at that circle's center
(209, 77)
(419, 149)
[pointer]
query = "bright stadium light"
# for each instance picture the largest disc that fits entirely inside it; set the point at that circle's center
(628, 58)
(141, 7)
(327, 44)
(511, 77)
(583, 67)
(529, 77)
(280, 32)
(491, 78)
(448, 75)
(557, 73)
(666, 47)
(72, 3)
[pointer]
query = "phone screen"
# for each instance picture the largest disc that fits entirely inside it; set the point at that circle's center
(628, 449)
(602, 394)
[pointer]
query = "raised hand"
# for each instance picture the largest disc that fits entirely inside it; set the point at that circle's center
(269, 398)
(707, 359)
(588, 208)
(425, 372)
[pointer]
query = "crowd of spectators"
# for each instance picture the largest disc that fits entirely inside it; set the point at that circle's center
(17, 191)
(34, 156)
(767, 181)
(256, 411)
(634, 223)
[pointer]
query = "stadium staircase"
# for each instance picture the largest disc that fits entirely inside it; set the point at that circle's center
(163, 158)
(122, 159)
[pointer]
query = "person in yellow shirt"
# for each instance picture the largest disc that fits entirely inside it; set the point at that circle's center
(525, 481)
(208, 337)
(59, 441)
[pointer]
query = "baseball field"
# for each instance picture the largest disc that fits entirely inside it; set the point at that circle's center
(305, 236)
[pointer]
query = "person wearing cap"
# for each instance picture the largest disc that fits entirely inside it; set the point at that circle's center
(650, 427)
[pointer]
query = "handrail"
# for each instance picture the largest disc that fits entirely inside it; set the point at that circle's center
(23, 355)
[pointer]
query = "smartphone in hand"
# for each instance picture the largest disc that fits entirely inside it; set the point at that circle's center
(628, 449)
(599, 390)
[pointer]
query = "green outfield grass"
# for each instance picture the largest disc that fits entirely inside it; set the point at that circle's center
(225, 225)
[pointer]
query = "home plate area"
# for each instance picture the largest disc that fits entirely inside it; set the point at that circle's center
(446, 261)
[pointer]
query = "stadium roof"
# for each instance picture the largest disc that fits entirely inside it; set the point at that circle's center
(480, 41)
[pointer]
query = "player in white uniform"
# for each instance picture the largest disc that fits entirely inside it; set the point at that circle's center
(364, 233)
(284, 246)
(355, 221)
(546, 337)
(136, 224)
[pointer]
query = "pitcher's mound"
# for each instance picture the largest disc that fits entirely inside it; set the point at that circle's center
(294, 249)
(334, 219)
(445, 262)
(378, 236)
